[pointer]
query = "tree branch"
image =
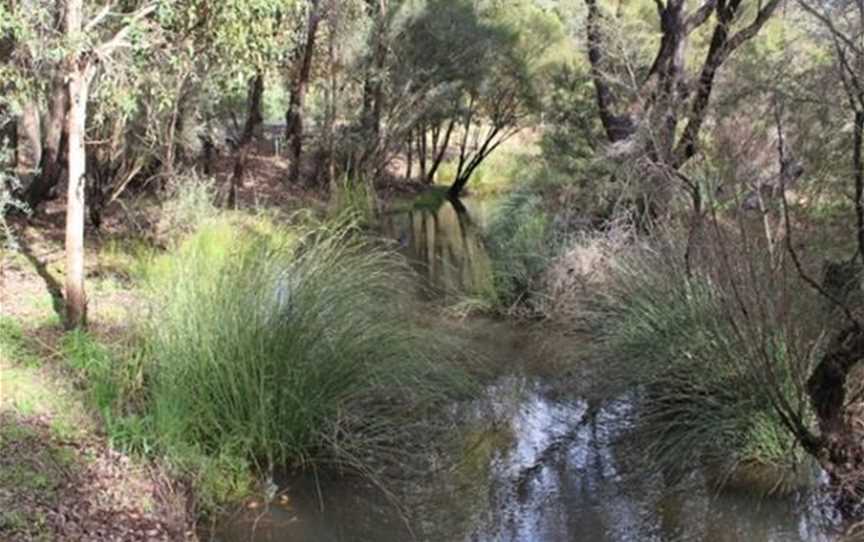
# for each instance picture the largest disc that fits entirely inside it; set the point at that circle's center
(698, 17)
(119, 39)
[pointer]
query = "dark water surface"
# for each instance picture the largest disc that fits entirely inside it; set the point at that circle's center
(542, 461)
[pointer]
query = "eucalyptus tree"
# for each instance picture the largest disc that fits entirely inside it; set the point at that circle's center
(659, 108)
(89, 43)
(302, 70)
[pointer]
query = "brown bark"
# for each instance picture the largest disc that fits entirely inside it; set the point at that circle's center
(421, 150)
(28, 148)
(76, 297)
(665, 89)
(373, 89)
(409, 162)
(299, 88)
(253, 121)
(54, 144)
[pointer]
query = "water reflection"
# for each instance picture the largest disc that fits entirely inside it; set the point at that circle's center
(442, 240)
(561, 480)
(535, 464)
(536, 469)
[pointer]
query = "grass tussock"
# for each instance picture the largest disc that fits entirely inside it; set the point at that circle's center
(710, 353)
(270, 347)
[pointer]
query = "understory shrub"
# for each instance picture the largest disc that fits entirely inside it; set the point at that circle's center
(519, 245)
(190, 201)
(288, 348)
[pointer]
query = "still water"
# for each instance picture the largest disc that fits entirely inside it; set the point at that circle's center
(543, 460)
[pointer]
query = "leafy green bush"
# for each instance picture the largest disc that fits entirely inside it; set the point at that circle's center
(287, 348)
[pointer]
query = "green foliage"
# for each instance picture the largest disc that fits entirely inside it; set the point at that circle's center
(518, 240)
(13, 345)
(95, 367)
(283, 348)
(355, 198)
(571, 112)
(704, 394)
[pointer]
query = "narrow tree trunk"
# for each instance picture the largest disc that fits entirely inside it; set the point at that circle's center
(421, 151)
(373, 89)
(253, 120)
(28, 144)
(440, 152)
(410, 158)
(858, 172)
(332, 100)
(295, 113)
(76, 298)
(490, 143)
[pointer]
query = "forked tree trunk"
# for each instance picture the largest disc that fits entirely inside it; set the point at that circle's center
(76, 298)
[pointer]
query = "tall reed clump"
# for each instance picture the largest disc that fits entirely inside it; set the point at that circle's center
(289, 348)
(711, 354)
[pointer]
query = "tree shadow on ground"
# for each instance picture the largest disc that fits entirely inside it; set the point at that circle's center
(55, 289)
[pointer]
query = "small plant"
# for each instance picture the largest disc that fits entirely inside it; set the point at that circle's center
(191, 201)
(355, 198)
(94, 364)
(707, 389)
(13, 345)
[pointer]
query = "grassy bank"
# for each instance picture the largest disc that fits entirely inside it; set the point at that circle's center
(225, 352)
(277, 348)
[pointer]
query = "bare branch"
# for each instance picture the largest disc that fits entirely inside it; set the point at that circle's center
(824, 19)
(746, 33)
(99, 17)
(847, 312)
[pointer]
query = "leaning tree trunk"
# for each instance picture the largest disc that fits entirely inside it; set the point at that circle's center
(76, 298)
